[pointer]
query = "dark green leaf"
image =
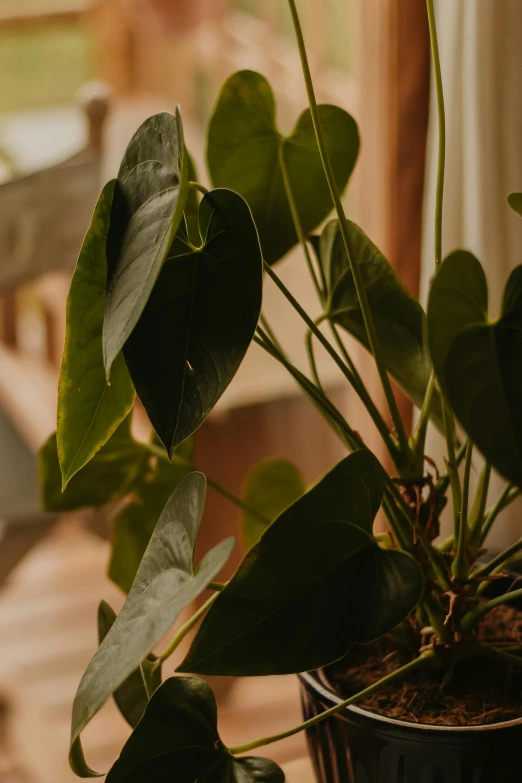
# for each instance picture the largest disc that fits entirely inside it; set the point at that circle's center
(89, 410)
(199, 320)
(478, 362)
(177, 740)
(192, 207)
(133, 695)
(314, 584)
(105, 478)
(132, 526)
(515, 202)
(272, 486)
(150, 196)
(166, 582)
(399, 318)
(245, 150)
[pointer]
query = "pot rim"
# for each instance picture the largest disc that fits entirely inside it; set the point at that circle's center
(312, 680)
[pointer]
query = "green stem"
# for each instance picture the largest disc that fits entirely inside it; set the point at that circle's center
(200, 188)
(497, 563)
(499, 655)
(508, 494)
(186, 628)
(423, 661)
(297, 220)
(157, 451)
(372, 410)
(472, 618)
(441, 112)
(218, 587)
(418, 441)
(343, 225)
(309, 341)
(476, 518)
(460, 566)
(332, 416)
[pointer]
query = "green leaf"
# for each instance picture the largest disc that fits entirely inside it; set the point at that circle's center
(89, 410)
(166, 582)
(314, 584)
(178, 740)
(515, 202)
(192, 206)
(132, 526)
(105, 478)
(272, 486)
(399, 318)
(245, 150)
(478, 361)
(133, 695)
(199, 321)
(150, 196)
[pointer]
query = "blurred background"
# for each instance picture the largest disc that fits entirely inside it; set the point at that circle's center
(77, 77)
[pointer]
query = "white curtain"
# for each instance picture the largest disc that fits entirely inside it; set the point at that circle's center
(481, 59)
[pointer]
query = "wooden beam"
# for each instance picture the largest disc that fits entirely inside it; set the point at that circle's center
(76, 12)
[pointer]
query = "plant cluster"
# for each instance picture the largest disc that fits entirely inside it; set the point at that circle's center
(165, 301)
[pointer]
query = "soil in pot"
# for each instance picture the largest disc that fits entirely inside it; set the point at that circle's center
(479, 691)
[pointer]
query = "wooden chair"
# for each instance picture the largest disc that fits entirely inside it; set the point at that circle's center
(44, 218)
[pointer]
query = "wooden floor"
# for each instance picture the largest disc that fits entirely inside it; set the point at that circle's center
(47, 636)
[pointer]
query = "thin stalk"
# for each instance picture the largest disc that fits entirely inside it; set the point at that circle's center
(441, 113)
(499, 655)
(452, 467)
(270, 332)
(404, 541)
(372, 410)
(217, 587)
(476, 518)
(436, 617)
(423, 661)
(332, 416)
(508, 494)
(460, 566)
(497, 563)
(472, 618)
(200, 188)
(297, 221)
(186, 628)
(311, 359)
(418, 440)
(343, 225)
(157, 451)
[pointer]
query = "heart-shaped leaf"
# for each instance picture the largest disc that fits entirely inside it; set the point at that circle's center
(246, 152)
(132, 526)
(166, 582)
(104, 479)
(199, 321)
(89, 410)
(133, 695)
(515, 202)
(399, 318)
(477, 360)
(178, 740)
(315, 583)
(150, 196)
(270, 488)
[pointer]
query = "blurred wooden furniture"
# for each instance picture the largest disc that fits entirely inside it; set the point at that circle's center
(44, 216)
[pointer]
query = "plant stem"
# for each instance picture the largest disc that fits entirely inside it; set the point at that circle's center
(372, 410)
(508, 494)
(441, 112)
(499, 655)
(479, 506)
(297, 220)
(498, 562)
(423, 661)
(157, 451)
(200, 188)
(311, 359)
(184, 630)
(343, 225)
(470, 620)
(332, 416)
(460, 566)
(418, 440)
(218, 587)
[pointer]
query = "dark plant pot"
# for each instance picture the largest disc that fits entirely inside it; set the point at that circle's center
(357, 746)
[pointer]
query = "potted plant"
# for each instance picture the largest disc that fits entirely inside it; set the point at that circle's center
(165, 300)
